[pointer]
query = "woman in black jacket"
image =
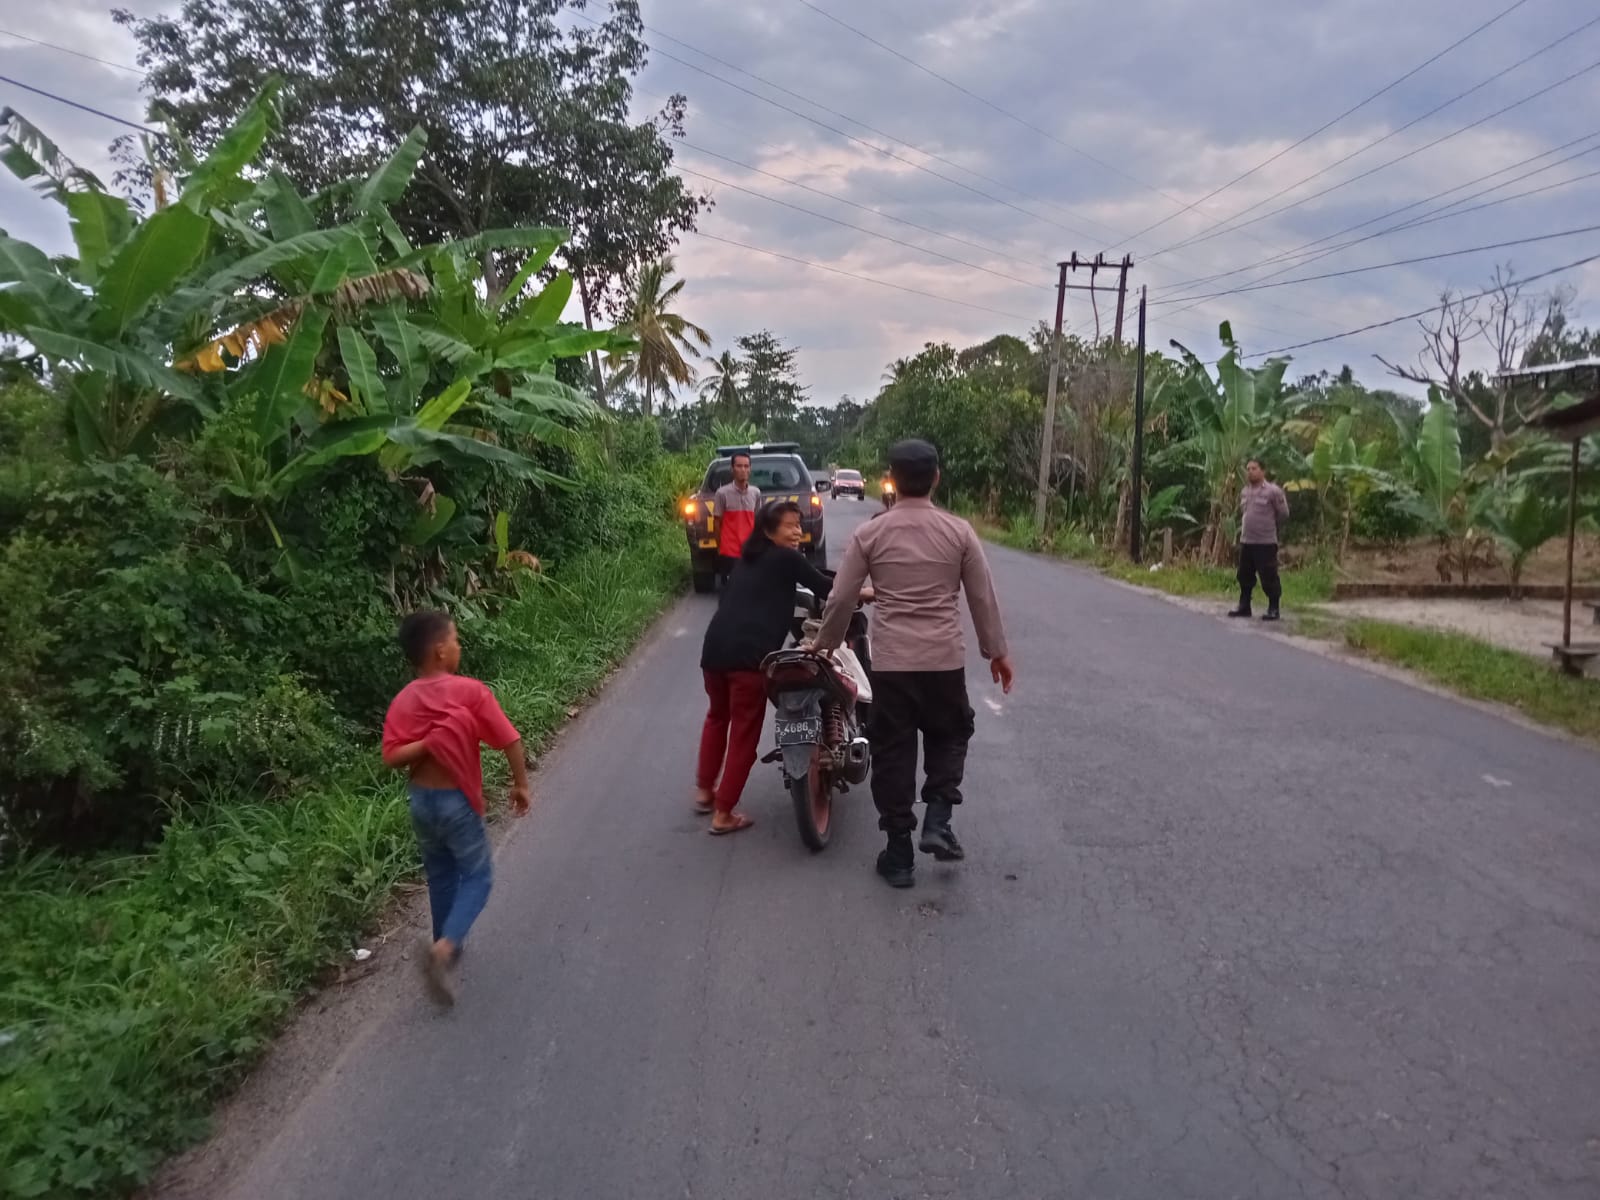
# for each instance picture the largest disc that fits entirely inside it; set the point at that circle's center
(752, 620)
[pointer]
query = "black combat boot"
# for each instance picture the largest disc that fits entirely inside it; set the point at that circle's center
(938, 839)
(896, 862)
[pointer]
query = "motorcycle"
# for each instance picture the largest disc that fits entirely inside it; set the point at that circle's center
(886, 493)
(822, 702)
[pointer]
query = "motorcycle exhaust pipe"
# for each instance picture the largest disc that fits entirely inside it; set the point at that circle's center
(857, 760)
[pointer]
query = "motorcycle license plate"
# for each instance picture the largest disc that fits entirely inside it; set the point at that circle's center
(800, 732)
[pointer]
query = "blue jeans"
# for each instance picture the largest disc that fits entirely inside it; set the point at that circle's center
(455, 857)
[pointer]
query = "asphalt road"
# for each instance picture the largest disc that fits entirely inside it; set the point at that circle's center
(1237, 920)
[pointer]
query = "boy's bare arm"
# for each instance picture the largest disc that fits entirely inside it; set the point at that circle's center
(404, 755)
(520, 796)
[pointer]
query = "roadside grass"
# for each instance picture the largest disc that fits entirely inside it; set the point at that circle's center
(1303, 584)
(1463, 664)
(135, 990)
(1484, 672)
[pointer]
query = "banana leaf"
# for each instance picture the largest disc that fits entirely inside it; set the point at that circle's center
(100, 223)
(427, 445)
(34, 158)
(235, 151)
(278, 380)
(390, 181)
(1439, 456)
(430, 523)
(546, 308)
(361, 366)
(159, 254)
(126, 363)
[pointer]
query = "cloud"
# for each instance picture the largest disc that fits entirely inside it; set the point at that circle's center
(1145, 109)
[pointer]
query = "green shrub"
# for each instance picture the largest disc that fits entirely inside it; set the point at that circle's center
(1379, 517)
(138, 988)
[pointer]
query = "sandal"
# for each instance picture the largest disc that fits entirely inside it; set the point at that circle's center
(704, 808)
(740, 823)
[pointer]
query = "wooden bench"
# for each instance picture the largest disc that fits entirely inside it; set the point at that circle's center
(1574, 658)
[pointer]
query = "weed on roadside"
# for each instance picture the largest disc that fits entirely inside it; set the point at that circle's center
(1484, 672)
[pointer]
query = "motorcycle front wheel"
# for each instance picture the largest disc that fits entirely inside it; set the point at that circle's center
(812, 794)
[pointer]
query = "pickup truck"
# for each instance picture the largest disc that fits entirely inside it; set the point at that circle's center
(778, 471)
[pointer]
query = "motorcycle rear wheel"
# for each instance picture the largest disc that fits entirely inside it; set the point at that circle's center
(812, 794)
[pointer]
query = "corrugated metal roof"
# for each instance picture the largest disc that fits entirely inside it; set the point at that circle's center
(1573, 422)
(1550, 369)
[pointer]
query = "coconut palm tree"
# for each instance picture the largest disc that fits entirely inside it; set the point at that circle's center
(666, 338)
(721, 387)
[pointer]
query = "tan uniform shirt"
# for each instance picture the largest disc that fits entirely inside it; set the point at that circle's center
(1263, 508)
(919, 559)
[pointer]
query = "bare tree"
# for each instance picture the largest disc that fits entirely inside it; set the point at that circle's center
(1503, 320)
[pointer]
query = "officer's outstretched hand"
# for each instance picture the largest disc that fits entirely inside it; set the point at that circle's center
(1000, 669)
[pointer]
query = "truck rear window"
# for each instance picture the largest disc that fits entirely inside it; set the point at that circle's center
(768, 474)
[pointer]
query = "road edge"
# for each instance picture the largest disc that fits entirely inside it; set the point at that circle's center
(1323, 648)
(332, 1021)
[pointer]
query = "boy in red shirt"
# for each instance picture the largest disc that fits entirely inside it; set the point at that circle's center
(433, 729)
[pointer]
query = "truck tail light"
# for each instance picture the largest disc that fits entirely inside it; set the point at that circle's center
(816, 500)
(690, 508)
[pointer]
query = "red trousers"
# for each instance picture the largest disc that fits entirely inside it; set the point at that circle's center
(738, 699)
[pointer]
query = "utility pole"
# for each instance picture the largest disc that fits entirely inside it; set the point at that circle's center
(1136, 548)
(1047, 448)
(1122, 293)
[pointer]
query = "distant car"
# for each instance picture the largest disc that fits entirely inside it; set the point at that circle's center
(779, 472)
(849, 483)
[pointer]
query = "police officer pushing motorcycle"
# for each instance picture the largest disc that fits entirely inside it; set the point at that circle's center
(919, 559)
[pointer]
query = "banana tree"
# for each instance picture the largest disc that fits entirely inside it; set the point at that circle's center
(1448, 498)
(1527, 519)
(1234, 414)
(286, 332)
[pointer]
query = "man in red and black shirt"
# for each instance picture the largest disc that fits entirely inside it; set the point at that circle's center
(735, 507)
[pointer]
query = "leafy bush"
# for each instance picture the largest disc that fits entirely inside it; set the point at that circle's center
(1380, 517)
(139, 988)
(142, 660)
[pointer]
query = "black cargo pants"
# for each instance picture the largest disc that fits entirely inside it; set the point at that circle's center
(905, 704)
(1258, 559)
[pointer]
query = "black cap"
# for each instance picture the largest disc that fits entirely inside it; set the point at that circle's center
(913, 454)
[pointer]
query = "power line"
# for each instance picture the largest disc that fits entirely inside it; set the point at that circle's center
(862, 229)
(701, 112)
(1422, 312)
(984, 100)
(1323, 128)
(1223, 227)
(876, 149)
(805, 262)
(28, 87)
(863, 207)
(1417, 222)
(1031, 215)
(1301, 250)
(843, 116)
(105, 62)
(1400, 262)
(1411, 225)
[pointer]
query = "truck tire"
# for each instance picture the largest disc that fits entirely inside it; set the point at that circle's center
(705, 582)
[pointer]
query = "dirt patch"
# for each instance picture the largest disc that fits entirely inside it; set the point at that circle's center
(1416, 562)
(1527, 626)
